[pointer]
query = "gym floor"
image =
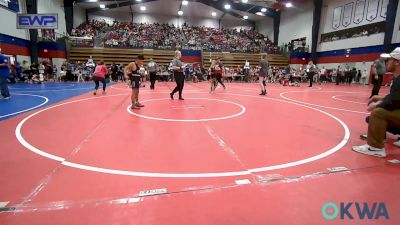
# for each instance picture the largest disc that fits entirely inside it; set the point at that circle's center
(233, 157)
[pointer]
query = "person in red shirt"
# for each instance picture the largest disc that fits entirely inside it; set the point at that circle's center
(99, 75)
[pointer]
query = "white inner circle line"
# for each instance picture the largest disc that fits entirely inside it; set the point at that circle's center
(336, 97)
(181, 175)
(243, 110)
(25, 110)
(282, 95)
(158, 91)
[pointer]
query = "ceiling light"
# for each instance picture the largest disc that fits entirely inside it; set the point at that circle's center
(143, 8)
(227, 6)
(263, 10)
(102, 6)
(185, 2)
(92, 0)
(180, 12)
(289, 4)
(260, 13)
(138, 0)
(213, 14)
(245, 1)
(245, 17)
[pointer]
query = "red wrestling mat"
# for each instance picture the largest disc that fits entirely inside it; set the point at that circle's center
(232, 157)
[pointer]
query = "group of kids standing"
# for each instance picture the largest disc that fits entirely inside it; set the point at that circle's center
(132, 74)
(217, 70)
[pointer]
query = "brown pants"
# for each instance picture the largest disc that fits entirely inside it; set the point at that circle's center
(379, 120)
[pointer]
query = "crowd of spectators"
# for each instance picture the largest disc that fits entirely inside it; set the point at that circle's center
(166, 36)
(32, 73)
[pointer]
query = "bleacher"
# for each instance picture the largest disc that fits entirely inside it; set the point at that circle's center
(239, 59)
(164, 57)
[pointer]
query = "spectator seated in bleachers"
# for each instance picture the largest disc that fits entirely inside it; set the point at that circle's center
(165, 36)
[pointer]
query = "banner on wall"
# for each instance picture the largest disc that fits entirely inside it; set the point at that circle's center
(372, 9)
(384, 8)
(360, 31)
(359, 11)
(337, 16)
(347, 13)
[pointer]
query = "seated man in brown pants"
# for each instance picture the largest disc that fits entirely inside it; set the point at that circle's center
(385, 111)
(392, 130)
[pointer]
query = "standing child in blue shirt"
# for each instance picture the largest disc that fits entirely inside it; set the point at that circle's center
(4, 74)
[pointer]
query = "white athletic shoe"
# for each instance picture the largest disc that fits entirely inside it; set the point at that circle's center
(368, 150)
(397, 143)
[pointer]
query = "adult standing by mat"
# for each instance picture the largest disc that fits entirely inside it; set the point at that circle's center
(99, 75)
(4, 74)
(220, 69)
(339, 75)
(179, 77)
(311, 72)
(378, 70)
(132, 73)
(263, 73)
(212, 73)
(152, 67)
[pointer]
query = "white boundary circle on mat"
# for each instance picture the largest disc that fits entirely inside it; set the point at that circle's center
(41, 91)
(243, 110)
(336, 97)
(44, 86)
(34, 107)
(181, 175)
(322, 106)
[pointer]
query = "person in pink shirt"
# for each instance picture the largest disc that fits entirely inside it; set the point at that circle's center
(99, 75)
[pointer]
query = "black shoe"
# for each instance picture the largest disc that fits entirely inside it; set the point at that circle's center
(363, 137)
(135, 107)
(262, 93)
(172, 96)
(180, 98)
